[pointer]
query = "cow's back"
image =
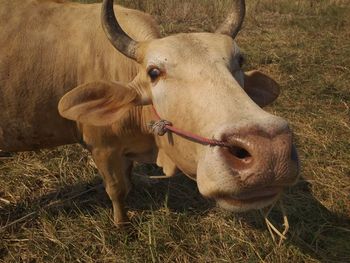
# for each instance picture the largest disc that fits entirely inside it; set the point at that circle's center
(46, 49)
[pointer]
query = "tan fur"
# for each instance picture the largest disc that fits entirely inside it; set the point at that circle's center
(56, 53)
(40, 62)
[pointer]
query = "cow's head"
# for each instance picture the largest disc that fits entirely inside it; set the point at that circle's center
(196, 82)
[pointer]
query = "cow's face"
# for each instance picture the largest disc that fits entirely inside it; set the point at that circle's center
(196, 82)
(190, 78)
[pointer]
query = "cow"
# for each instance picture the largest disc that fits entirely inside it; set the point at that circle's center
(70, 73)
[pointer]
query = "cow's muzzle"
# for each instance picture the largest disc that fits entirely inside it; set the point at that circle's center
(253, 171)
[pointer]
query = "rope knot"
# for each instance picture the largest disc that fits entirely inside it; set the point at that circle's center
(159, 127)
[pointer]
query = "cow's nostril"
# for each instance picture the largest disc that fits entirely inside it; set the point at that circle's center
(240, 153)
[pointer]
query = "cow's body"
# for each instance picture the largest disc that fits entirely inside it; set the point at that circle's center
(47, 49)
(55, 53)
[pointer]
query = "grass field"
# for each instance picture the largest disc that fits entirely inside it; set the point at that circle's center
(51, 209)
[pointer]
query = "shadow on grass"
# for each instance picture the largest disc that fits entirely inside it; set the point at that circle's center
(178, 194)
(316, 231)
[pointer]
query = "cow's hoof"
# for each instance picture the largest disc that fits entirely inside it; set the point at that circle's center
(127, 229)
(124, 227)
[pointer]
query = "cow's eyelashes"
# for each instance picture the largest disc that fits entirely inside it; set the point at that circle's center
(154, 73)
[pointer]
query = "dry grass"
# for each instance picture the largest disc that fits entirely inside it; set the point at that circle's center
(305, 45)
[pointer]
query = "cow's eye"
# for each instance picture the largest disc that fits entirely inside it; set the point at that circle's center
(241, 61)
(154, 73)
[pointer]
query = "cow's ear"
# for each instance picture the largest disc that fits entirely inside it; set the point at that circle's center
(98, 103)
(261, 88)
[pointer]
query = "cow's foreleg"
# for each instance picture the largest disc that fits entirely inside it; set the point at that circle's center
(115, 170)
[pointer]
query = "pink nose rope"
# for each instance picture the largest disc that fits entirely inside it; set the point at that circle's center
(161, 127)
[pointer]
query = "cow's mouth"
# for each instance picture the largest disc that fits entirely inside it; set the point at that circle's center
(262, 198)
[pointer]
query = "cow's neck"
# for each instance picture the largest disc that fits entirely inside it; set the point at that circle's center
(135, 121)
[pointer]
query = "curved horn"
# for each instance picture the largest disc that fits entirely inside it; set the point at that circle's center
(234, 20)
(119, 39)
